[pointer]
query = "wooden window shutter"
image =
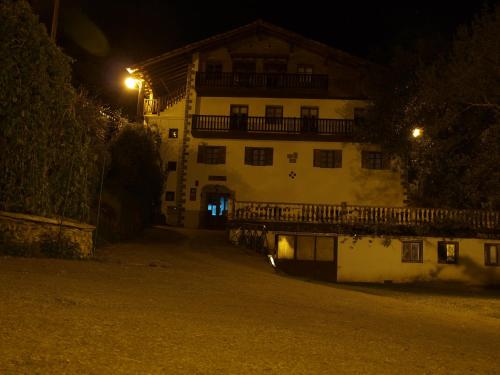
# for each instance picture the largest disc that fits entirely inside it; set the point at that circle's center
(248, 155)
(364, 159)
(338, 159)
(386, 161)
(201, 154)
(317, 158)
(223, 155)
(269, 156)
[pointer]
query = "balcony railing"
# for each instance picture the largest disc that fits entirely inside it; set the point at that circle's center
(261, 80)
(224, 125)
(478, 220)
(155, 106)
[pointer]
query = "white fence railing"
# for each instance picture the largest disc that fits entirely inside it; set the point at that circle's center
(346, 214)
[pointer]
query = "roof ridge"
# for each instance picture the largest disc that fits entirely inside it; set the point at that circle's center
(233, 32)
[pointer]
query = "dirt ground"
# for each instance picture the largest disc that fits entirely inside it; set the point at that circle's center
(187, 302)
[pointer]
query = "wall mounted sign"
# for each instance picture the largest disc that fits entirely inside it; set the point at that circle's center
(217, 178)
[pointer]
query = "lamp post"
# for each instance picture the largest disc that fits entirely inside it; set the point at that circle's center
(133, 83)
(416, 134)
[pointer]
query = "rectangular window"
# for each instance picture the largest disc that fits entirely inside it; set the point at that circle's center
(305, 73)
(213, 70)
(412, 252)
(171, 166)
(275, 67)
(192, 194)
(305, 248)
(244, 66)
(170, 196)
(327, 158)
(491, 253)
(211, 154)
(238, 117)
(214, 67)
(309, 119)
(448, 252)
(173, 133)
(374, 160)
(274, 114)
(258, 155)
(304, 69)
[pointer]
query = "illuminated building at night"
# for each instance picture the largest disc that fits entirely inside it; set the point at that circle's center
(258, 128)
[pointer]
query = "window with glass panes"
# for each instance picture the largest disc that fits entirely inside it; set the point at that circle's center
(412, 252)
(258, 156)
(327, 158)
(274, 114)
(491, 253)
(211, 154)
(374, 160)
(447, 252)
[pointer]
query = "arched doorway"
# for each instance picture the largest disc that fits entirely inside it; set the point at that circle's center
(214, 206)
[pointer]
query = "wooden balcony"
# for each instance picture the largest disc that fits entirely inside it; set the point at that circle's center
(155, 106)
(368, 219)
(261, 84)
(296, 128)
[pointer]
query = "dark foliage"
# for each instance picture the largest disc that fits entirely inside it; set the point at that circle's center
(454, 95)
(134, 179)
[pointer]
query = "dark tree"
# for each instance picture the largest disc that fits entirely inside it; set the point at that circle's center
(453, 94)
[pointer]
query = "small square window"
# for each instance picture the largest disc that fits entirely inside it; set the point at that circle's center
(412, 252)
(447, 252)
(491, 253)
(171, 166)
(170, 196)
(173, 133)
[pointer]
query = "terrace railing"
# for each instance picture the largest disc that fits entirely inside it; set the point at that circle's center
(363, 215)
(261, 80)
(283, 125)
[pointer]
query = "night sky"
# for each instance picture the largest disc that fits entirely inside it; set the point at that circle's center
(104, 36)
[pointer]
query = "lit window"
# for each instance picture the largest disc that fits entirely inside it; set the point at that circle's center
(305, 248)
(491, 253)
(412, 252)
(173, 133)
(448, 252)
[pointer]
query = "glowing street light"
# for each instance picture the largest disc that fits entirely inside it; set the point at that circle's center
(136, 84)
(132, 83)
(417, 132)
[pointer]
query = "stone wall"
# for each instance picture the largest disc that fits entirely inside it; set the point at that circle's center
(28, 230)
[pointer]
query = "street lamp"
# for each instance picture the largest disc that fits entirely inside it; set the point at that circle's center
(417, 132)
(133, 83)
